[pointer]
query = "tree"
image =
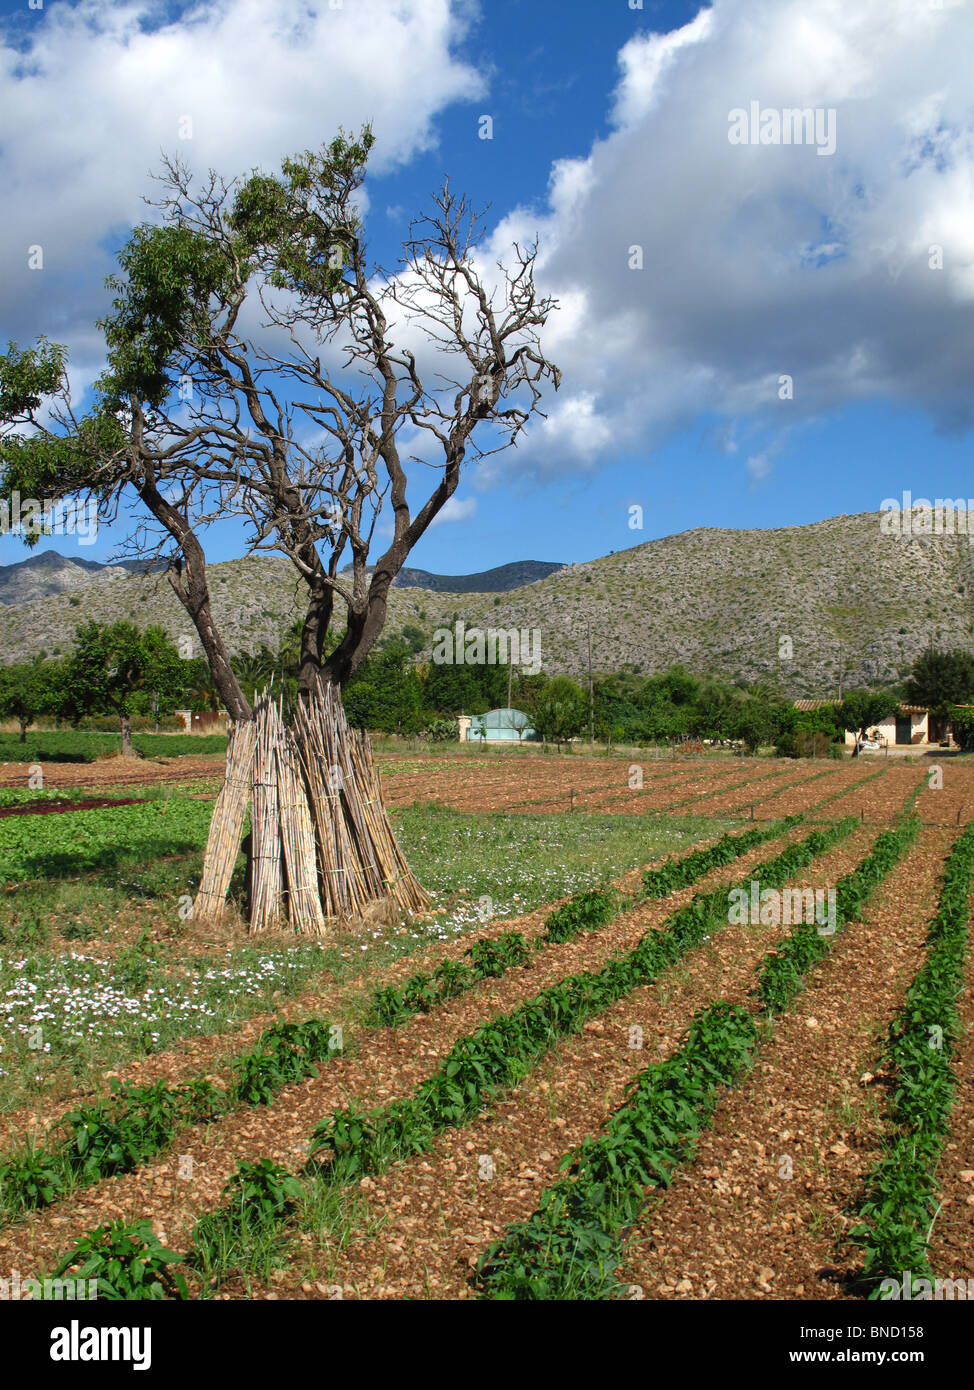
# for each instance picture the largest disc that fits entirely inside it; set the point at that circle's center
(962, 727)
(940, 679)
(293, 424)
(860, 710)
(29, 689)
(385, 693)
(755, 723)
(119, 669)
(560, 710)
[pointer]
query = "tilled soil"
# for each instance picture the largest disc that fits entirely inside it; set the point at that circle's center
(808, 793)
(440, 1211)
(59, 807)
(880, 801)
(774, 1183)
(116, 772)
(390, 1063)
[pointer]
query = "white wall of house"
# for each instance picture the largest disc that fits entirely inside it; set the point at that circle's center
(886, 729)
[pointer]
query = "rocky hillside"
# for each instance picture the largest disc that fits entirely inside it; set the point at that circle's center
(849, 603)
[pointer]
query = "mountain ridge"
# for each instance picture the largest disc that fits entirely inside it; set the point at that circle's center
(851, 604)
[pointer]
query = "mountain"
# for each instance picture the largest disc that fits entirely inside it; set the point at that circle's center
(496, 581)
(851, 604)
(48, 573)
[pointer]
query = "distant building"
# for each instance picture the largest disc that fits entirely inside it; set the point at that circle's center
(909, 725)
(498, 725)
(203, 721)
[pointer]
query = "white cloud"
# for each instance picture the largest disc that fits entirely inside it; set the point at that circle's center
(456, 509)
(761, 261)
(101, 90)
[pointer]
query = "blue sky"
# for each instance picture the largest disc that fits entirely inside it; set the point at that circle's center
(610, 130)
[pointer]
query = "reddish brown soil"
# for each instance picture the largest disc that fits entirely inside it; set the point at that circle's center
(389, 1064)
(115, 772)
(734, 1225)
(53, 808)
(439, 1213)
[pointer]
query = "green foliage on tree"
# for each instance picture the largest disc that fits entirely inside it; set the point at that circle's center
(941, 679)
(30, 689)
(962, 728)
(560, 711)
(860, 710)
(119, 669)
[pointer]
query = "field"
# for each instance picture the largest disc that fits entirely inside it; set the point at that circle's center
(581, 1076)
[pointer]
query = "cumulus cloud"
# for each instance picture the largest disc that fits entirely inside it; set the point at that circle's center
(93, 93)
(456, 509)
(853, 272)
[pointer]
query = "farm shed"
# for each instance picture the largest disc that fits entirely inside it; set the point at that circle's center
(910, 724)
(499, 725)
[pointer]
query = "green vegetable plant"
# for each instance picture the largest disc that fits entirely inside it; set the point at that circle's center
(129, 1262)
(899, 1202)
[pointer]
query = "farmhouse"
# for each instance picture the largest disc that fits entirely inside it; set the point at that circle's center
(910, 725)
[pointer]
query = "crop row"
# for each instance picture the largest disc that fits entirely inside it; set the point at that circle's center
(117, 1134)
(571, 1245)
(354, 1141)
(391, 1005)
(899, 1204)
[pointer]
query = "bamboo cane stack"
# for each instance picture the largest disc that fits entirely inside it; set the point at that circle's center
(297, 837)
(359, 859)
(322, 845)
(265, 822)
(223, 841)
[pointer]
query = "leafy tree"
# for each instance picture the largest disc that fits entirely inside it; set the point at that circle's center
(385, 694)
(29, 689)
(962, 728)
(119, 669)
(560, 710)
(940, 679)
(757, 722)
(860, 710)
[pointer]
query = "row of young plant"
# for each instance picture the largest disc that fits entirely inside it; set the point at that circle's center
(354, 1141)
(391, 1005)
(573, 1243)
(900, 1200)
(115, 1135)
(134, 1123)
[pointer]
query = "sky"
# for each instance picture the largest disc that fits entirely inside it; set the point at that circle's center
(752, 332)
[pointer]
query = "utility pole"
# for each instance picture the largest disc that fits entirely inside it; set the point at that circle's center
(591, 689)
(510, 670)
